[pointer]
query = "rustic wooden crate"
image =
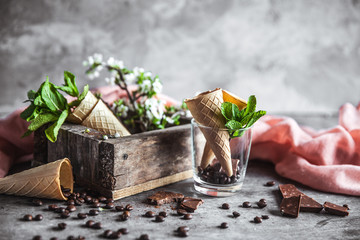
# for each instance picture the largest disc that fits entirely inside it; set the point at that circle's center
(120, 167)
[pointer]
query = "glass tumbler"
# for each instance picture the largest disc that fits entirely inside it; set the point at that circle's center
(211, 176)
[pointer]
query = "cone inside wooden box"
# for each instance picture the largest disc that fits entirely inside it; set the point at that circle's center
(44, 181)
(206, 110)
(93, 113)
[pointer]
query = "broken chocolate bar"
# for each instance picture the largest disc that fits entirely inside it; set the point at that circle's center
(334, 209)
(308, 204)
(290, 206)
(163, 197)
(191, 204)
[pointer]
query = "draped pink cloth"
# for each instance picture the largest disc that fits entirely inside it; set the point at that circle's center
(327, 160)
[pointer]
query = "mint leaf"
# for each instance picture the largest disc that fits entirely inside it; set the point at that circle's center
(255, 117)
(41, 120)
(233, 124)
(70, 85)
(226, 110)
(52, 98)
(84, 93)
(31, 94)
(28, 112)
(53, 131)
(251, 105)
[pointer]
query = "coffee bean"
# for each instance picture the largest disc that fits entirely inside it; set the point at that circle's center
(96, 205)
(71, 238)
(28, 217)
(127, 213)
(80, 238)
(54, 238)
(124, 217)
(264, 216)
(109, 200)
(188, 216)
(107, 233)
(78, 203)
(94, 200)
(159, 218)
(224, 225)
(89, 223)
(183, 228)
(93, 212)
(123, 230)
(38, 217)
(246, 205)
(225, 206)
(96, 225)
(181, 212)
(81, 199)
(261, 204)
(119, 208)
(102, 199)
(52, 207)
(88, 199)
(149, 214)
(71, 208)
(270, 183)
(163, 214)
(37, 202)
(60, 210)
(129, 207)
(65, 190)
(257, 220)
(38, 237)
(65, 214)
(346, 206)
(144, 237)
(62, 226)
(82, 215)
(236, 214)
(262, 200)
(109, 206)
(70, 202)
(183, 233)
(115, 235)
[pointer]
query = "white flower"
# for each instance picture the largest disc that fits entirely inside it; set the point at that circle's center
(147, 74)
(145, 86)
(155, 108)
(99, 68)
(85, 63)
(137, 71)
(123, 110)
(111, 61)
(115, 63)
(98, 57)
(90, 61)
(110, 80)
(157, 86)
(169, 120)
(130, 78)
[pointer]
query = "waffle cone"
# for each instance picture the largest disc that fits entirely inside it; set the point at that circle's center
(84, 109)
(206, 110)
(207, 156)
(229, 97)
(42, 182)
(102, 119)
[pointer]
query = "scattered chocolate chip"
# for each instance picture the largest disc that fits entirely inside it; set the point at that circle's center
(149, 214)
(265, 217)
(270, 183)
(144, 237)
(163, 214)
(246, 205)
(236, 214)
(224, 225)
(62, 226)
(93, 212)
(38, 217)
(257, 219)
(225, 206)
(28, 217)
(188, 216)
(82, 215)
(159, 218)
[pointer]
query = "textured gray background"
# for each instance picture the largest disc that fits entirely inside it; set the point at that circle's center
(295, 56)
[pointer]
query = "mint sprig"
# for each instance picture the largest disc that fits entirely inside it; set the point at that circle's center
(238, 120)
(48, 105)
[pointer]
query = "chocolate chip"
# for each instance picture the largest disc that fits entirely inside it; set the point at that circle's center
(93, 212)
(225, 206)
(71, 208)
(188, 216)
(119, 208)
(149, 214)
(65, 214)
(62, 226)
(236, 214)
(96, 225)
(52, 207)
(270, 183)
(129, 207)
(163, 214)
(37, 202)
(159, 218)
(144, 237)
(181, 212)
(107, 233)
(264, 217)
(257, 219)
(38, 217)
(123, 230)
(82, 215)
(28, 217)
(89, 223)
(246, 205)
(224, 225)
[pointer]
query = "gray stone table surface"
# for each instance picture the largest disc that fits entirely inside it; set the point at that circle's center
(206, 220)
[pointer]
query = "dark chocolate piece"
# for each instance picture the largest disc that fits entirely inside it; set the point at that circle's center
(334, 209)
(163, 197)
(289, 190)
(191, 204)
(290, 206)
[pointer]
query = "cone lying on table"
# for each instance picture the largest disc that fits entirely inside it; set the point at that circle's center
(44, 181)
(93, 113)
(208, 154)
(206, 110)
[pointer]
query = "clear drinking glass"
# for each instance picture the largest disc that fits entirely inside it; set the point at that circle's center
(210, 177)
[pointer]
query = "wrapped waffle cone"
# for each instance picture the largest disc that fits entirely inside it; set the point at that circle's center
(206, 110)
(102, 119)
(42, 182)
(84, 109)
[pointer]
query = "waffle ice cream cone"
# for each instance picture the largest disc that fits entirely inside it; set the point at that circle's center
(207, 156)
(42, 182)
(102, 119)
(84, 109)
(206, 110)
(229, 97)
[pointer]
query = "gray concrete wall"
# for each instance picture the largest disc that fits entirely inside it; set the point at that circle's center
(295, 56)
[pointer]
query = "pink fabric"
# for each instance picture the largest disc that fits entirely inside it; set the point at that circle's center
(327, 160)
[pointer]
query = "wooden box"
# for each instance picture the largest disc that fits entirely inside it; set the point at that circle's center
(120, 167)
